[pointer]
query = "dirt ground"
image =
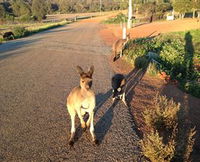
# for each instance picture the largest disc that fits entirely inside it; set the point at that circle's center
(142, 94)
(155, 28)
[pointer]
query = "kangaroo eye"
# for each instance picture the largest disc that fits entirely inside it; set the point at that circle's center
(83, 81)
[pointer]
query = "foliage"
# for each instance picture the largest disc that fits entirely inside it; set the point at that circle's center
(153, 69)
(164, 114)
(120, 18)
(20, 32)
(40, 9)
(2, 11)
(141, 62)
(155, 9)
(1, 40)
(178, 56)
(26, 18)
(21, 7)
(171, 136)
(182, 6)
(154, 148)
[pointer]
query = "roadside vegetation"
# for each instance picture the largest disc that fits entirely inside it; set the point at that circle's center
(170, 137)
(174, 55)
(22, 30)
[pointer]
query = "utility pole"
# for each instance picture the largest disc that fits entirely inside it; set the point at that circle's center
(130, 10)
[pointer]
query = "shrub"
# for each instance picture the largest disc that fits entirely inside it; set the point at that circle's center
(20, 31)
(192, 87)
(154, 148)
(1, 40)
(120, 18)
(138, 47)
(171, 136)
(153, 69)
(26, 18)
(141, 62)
(164, 115)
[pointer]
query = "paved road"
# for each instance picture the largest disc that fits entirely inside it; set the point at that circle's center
(36, 74)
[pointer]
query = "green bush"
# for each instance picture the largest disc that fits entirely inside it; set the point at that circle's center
(20, 32)
(192, 87)
(120, 18)
(1, 40)
(26, 18)
(141, 62)
(175, 57)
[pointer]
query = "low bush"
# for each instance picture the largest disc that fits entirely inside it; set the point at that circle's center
(20, 32)
(171, 136)
(155, 150)
(141, 62)
(26, 18)
(153, 69)
(120, 18)
(164, 114)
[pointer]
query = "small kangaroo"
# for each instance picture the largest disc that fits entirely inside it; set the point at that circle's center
(118, 47)
(81, 100)
(118, 84)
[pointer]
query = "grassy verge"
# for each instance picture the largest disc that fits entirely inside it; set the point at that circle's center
(117, 19)
(176, 55)
(22, 30)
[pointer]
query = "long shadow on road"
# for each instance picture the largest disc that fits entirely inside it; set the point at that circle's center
(8, 49)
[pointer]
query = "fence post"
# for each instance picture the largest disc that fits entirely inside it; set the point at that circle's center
(124, 31)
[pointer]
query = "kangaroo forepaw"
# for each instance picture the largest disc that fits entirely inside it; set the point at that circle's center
(96, 142)
(83, 125)
(71, 143)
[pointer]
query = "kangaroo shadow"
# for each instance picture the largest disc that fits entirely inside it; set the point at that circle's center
(133, 78)
(104, 123)
(101, 99)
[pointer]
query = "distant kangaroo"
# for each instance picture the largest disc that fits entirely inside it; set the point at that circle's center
(8, 35)
(81, 100)
(118, 47)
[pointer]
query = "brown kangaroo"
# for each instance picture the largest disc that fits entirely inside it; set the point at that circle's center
(118, 47)
(81, 100)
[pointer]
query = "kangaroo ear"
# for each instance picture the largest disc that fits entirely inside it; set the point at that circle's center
(90, 72)
(79, 70)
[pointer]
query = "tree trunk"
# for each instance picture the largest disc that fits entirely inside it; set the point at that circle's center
(193, 13)
(198, 14)
(183, 15)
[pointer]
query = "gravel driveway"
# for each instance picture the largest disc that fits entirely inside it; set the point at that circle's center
(36, 75)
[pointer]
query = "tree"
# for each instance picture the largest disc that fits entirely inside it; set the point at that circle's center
(20, 8)
(182, 6)
(195, 7)
(2, 11)
(40, 9)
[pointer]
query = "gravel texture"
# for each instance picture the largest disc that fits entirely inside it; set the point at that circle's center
(36, 75)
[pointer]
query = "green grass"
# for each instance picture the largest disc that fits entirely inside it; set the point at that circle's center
(120, 18)
(31, 28)
(178, 56)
